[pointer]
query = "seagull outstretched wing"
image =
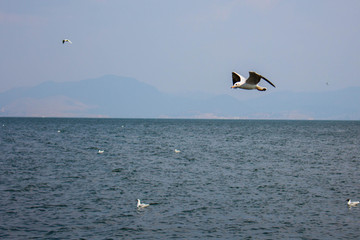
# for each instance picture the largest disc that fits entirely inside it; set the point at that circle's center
(236, 77)
(66, 40)
(254, 78)
(268, 81)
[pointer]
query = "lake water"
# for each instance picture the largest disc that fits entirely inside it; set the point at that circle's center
(232, 179)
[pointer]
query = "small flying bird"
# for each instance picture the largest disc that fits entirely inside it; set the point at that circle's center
(352, 204)
(177, 151)
(141, 205)
(101, 151)
(250, 83)
(66, 40)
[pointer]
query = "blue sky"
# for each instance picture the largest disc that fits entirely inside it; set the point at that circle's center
(182, 46)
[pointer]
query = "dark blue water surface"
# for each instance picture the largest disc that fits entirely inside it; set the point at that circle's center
(233, 179)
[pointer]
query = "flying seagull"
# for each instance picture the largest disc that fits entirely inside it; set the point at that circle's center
(66, 40)
(141, 205)
(250, 83)
(352, 204)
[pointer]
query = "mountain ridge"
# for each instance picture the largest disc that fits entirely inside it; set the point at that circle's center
(115, 96)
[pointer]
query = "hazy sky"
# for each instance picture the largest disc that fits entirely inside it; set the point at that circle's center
(182, 46)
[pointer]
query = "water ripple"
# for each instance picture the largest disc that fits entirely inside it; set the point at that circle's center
(231, 180)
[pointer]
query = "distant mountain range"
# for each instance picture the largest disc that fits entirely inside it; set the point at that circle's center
(121, 97)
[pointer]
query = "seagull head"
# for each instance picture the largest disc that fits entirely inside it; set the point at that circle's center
(236, 85)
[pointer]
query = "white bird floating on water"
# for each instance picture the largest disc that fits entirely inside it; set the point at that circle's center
(101, 151)
(66, 40)
(250, 83)
(177, 150)
(352, 204)
(141, 205)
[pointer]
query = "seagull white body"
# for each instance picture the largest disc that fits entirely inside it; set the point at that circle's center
(352, 204)
(141, 205)
(66, 40)
(250, 83)
(177, 150)
(101, 151)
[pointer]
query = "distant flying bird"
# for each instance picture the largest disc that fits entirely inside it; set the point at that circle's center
(352, 204)
(141, 205)
(66, 40)
(101, 151)
(250, 83)
(177, 150)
